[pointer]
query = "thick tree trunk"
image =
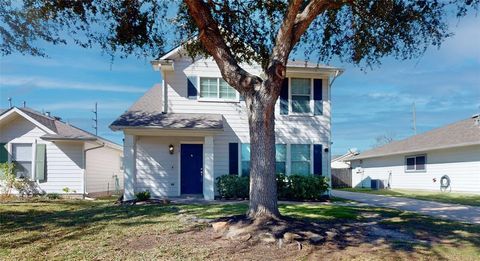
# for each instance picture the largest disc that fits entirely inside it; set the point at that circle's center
(263, 185)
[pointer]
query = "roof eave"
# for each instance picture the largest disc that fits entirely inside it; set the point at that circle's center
(359, 157)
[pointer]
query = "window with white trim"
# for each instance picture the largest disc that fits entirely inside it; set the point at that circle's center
(22, 158)
(280, 159)
(415, 163)
(217, 89)
(301, 94)
(300, 159)
(245, 159)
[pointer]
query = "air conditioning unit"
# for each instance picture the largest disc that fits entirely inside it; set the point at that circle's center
(377, 184)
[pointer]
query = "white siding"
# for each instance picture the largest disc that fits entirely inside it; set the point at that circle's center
(157, 170)
(102, 168)
(64, 160)
(64, 167)
(289, 129)
(461, 164)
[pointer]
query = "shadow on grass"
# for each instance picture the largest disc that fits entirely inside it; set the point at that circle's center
(64, 224)
(343, 226)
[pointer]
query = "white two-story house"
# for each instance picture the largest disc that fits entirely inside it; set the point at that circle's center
(193, 127)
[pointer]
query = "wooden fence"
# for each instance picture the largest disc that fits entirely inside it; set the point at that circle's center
(341, 178)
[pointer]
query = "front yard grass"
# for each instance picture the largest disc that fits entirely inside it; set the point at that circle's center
(99, 230)
(445, 197)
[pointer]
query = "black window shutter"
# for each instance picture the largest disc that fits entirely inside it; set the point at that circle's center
(317, 97)
(233, 158)
(317, 159)
(192, 87)
(284, 98)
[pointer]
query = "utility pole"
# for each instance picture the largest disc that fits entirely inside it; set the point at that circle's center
(414, 112)
(95, 119)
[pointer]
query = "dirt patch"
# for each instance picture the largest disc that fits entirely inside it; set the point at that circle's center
(143, 242)
(290, 239)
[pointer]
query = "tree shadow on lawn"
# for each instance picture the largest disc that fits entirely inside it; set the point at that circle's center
(67, 224)
(339, 226)
(351, 226)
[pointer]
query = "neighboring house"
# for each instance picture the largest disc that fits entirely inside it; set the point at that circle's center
(183, 134)
(55, 155)
(420, 162)
(341, 161)
(341, 171)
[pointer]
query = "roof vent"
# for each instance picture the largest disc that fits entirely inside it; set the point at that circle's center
(47, 113)
(476, 119)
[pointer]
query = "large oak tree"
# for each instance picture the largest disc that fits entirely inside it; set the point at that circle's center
(235, 32)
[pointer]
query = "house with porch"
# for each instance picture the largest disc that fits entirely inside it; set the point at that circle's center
(193, 127)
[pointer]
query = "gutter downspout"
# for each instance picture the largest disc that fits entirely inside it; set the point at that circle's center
(329, 158)
(85, 167)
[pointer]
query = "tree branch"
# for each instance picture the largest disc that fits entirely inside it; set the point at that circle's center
(294, 25)
(211, 38)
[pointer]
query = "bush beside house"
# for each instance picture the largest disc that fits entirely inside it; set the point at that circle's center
(292, 187)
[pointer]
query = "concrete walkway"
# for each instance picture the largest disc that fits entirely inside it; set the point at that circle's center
(455, 212)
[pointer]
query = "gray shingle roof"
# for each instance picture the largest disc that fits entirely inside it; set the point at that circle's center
(62, 130)
(139, 119)
(147, 113)
(461, 133)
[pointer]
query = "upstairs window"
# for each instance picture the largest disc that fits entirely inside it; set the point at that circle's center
(301, 94)
(415, 163)
(213, 88)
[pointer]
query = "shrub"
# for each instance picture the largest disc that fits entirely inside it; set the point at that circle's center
(293, 187)
(311, 187)
(7, 177)
(143, 196)
(233, 186)
(52, 196)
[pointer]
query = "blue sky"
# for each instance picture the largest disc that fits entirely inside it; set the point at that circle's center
(444, 84)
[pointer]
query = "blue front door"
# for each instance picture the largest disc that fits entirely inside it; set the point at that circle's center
(191, 168)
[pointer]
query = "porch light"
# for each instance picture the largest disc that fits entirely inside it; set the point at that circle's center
(170, 149)
(326, 150)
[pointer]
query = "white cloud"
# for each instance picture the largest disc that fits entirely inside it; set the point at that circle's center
(86, 105)
(48, 83)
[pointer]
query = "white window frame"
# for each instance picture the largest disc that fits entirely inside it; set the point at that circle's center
(218, 99)
(311, 102)
(415, 163)
(32, 156)
(310, 150)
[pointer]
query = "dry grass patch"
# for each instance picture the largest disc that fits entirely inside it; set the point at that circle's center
(99, 230)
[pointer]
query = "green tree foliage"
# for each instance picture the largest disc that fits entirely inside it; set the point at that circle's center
(356, 31)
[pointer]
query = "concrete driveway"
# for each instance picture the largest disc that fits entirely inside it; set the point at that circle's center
(455, 212)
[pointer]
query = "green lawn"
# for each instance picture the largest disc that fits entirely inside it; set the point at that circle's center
(99, 230)
(456, 198)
